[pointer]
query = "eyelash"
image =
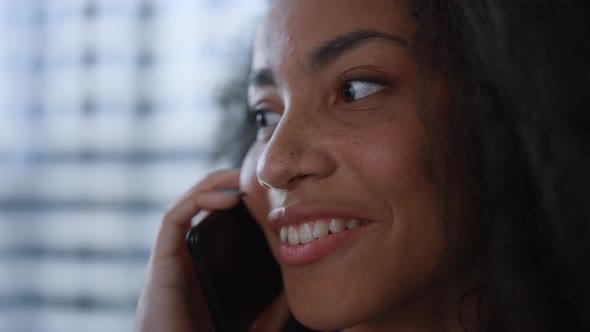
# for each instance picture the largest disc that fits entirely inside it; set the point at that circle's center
(258, 115)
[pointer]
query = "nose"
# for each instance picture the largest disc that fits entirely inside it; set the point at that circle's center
(298, 151)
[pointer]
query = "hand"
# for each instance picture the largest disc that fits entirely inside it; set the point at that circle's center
(171, 298)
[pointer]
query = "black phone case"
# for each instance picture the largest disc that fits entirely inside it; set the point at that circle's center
(238, 273)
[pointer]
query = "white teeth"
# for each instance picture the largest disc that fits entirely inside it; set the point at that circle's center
(293, 235)
(337, 225)
(310, 231)
(283, 234)
(353, 223)
(320, 229)
(305, 235)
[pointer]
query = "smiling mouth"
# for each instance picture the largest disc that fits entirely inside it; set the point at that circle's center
(314, 230)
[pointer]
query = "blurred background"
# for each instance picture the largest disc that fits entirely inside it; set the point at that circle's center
(107, 113)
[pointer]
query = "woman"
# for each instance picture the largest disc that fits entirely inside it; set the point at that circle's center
(417, 167)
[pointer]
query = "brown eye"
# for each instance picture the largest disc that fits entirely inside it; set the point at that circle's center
(266, 118)
(355, 90)
(260, 119)
(348, 92)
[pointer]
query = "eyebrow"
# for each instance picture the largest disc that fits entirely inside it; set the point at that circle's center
(329, 51)
(262, 77)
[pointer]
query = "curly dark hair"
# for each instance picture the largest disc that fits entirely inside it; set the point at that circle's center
(522, 69)
(524, 66)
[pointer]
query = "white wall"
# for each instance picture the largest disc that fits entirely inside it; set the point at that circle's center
(106, 115)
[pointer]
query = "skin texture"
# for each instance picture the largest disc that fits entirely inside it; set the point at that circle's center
(357, 129)
(318, 148)
(532, 215)
(171, 299)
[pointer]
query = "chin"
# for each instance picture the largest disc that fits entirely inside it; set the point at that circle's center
(320, 319)
(323, 310)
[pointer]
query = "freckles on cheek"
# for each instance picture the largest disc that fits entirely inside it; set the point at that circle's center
(392, 162)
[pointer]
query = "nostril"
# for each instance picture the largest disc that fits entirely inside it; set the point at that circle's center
(297, 178)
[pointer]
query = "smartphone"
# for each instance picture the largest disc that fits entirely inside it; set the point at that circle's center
(239, 276)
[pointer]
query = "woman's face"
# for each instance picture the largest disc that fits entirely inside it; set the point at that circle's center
(342, 177)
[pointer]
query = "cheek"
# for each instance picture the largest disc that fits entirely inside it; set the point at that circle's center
(255, 194)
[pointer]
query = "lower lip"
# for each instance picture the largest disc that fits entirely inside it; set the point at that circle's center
(302, 254)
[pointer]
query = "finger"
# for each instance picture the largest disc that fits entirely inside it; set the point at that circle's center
(274, 317)
(170, 239)
(176, 223)
(225, 179)
(193, 200)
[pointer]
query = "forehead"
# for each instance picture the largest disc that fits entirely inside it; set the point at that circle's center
(292, 28)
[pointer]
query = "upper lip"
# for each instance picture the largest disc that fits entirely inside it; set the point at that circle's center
(293, 215)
